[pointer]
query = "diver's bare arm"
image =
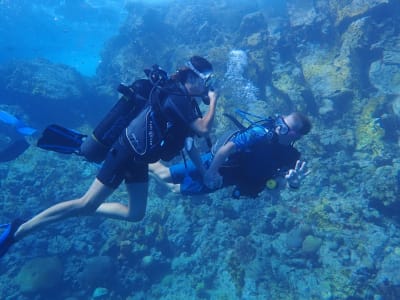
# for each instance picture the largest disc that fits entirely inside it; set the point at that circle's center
(212, 179)
(202, 126)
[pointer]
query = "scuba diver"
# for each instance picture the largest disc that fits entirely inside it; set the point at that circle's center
(250, 159)
(13, 132)
(156, 131)
(135, 97)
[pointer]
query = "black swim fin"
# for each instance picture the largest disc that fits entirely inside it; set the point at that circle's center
(60, 139)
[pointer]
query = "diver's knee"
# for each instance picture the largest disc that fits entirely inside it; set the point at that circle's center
(136, 216)
(85, 206)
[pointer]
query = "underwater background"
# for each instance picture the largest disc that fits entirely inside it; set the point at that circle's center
(337, 237)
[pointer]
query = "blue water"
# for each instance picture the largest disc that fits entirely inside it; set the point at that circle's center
(67, 32)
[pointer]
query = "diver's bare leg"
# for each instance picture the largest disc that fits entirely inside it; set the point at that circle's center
(87, 204)
(136, 208)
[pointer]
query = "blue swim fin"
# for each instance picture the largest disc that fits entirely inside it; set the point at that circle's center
(7, 236)
(19, 125)
(23, 129)
(7, 118)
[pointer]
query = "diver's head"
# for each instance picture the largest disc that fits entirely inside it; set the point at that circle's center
(196, 75)
(292, 127)
(201, 67)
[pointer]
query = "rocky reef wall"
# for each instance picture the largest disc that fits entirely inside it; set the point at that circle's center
(335, 238)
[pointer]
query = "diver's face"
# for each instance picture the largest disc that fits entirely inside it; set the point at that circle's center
(287, 129)
(196, 85)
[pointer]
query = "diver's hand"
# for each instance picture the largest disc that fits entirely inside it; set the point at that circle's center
(212, 95)
(296, 175)
(212, 180)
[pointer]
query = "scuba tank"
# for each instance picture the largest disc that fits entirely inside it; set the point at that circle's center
(134, 98)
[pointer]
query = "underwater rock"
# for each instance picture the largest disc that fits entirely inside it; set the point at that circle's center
(96, 271)
(326, 107)
(100, 293)
(49, 93)
(358, 35)
(255, 40)
(155, 265)
(295, 237)
(384, 73)
(252, 23)
(41, 78)
(301, 12)
(385, 77)
(325, 73)
(147, 261)
(330, 72)
(311, 245)
(354, 8)
(288, 79)
(383, 190)
(40, 275)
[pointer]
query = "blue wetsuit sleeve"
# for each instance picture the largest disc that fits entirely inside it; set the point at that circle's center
(244, 140)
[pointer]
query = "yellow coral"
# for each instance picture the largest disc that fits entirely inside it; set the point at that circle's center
(368, 133)
(320, 218)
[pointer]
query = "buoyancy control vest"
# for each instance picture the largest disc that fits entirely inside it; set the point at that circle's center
(158, 132)
(267, 125)
(249, 169)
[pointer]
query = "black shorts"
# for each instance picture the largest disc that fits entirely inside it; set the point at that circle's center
(120, 164)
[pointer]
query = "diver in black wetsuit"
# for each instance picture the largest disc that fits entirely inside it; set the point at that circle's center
(158, 131)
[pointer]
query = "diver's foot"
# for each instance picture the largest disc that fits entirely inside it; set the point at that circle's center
(7, 236)
(160, 171)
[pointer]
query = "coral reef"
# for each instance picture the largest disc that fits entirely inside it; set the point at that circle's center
(337, 237)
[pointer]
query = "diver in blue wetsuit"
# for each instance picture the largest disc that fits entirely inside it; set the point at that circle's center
(249, 159)
(13, 132)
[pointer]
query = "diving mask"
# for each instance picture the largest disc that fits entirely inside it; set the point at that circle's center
(281, 125)
(205, 76)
